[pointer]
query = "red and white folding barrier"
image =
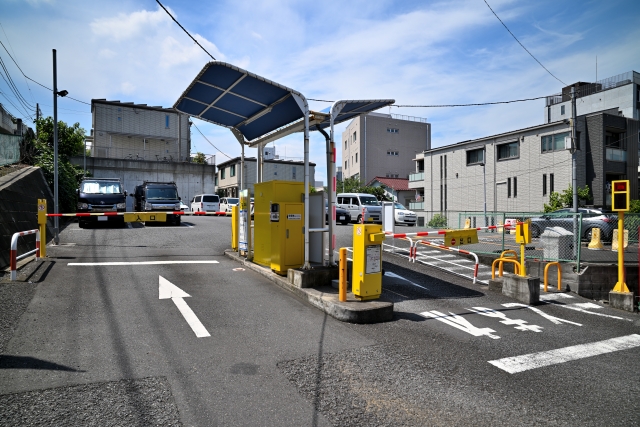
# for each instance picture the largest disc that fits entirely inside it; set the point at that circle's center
(417, 234)
(447, 248)
(13, 262)
(85, 214)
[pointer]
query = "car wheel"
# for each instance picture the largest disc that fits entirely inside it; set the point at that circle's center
(535, 231)
(82, 224)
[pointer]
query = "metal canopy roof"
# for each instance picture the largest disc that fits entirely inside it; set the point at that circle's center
(322, 119)
(235, 98)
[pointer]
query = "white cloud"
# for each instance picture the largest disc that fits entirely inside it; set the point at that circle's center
(127, 88)
(127, 26)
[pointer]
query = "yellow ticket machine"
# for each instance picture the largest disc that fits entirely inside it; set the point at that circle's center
(366, 277)
(287, 236)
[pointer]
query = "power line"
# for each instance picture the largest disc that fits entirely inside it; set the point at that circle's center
(467, 105)
(183, 29)
(14, 53)
(220, 151)
(38, 83)
(503, 24)
(14, 88)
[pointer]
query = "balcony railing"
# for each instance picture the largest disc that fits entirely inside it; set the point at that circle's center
(416, 176)
(419, 206)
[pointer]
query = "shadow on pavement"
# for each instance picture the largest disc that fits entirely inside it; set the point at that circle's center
(26, 362)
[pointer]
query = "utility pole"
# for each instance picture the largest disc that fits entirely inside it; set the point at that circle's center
(56, 237)
(574, 171)
(37, 117)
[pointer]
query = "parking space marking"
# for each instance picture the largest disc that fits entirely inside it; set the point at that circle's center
(581, 308)
(83, 264)
(549, 317)
(526, 362)
(553, 297)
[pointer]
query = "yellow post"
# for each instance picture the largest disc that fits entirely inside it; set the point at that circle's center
(621, 286)
(42, 225)
(234, 227)
(342, 283)
(523, 236)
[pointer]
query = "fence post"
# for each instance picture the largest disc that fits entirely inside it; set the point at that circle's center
(42, 225)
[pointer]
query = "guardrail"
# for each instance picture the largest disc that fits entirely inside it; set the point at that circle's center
(13, 263)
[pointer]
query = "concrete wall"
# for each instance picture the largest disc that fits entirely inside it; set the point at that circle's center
(19, 194)
(620, 98)
(192, 178)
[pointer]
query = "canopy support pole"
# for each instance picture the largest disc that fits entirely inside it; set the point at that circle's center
(304, 106)
(331, 196)
(336, 108)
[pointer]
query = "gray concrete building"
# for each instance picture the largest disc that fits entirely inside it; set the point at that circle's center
(383, 145)
(124, 130)
(518, 170)
(228, 175)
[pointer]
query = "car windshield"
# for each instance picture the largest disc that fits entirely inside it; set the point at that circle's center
(100, 187)
(399, 206)
(231, 201)
(162, 193)
(369, 201)
(210, 199)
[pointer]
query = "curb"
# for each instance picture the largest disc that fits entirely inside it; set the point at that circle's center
(326, 298)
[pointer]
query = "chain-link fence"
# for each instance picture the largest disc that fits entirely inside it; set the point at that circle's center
(9, 149)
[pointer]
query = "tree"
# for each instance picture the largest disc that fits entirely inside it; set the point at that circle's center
(199, 158)
(438, 221)
(70, 138)
(565, 199)
(354, 185)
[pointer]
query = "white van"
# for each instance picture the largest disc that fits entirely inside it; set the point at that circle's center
(227, 202)
(205, 203)
(357, 203)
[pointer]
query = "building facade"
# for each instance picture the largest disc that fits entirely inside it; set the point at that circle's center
(124, 130)
(384, 145)
(228, 175)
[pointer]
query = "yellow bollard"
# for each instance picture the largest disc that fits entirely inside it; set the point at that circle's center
(614, 240)
(42, 225)
(546, 275)
(467, 223)
(234, 227)
(595, 243)
(342, 283)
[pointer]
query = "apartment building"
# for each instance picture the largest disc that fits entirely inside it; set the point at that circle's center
(124, 130)
(517, 171)
(228, 175)
(383, 145)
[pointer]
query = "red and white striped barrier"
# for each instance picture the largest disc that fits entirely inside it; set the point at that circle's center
(13, 262)
(462, 251)
(85, 214)
(418, 234)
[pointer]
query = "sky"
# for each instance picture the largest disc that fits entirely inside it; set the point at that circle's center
(416, 52)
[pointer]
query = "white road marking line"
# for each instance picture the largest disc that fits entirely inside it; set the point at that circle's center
(82, 264)
(549, 317)
(167, 290)
(526, 362)
(572, 307)
(553, 297)
(460, 323)
(521, 325)
(390, 274)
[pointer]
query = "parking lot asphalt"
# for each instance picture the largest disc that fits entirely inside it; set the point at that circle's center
(94, 343)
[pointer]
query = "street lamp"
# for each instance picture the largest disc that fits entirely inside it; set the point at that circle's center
(56, 94)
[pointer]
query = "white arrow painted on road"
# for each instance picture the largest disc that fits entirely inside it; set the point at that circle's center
(169, 290)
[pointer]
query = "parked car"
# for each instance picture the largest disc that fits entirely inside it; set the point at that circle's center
(227, 202)
(183, 207)
(158, 196)
(404, 215)
(357, 203)
(342, 215)
(591, 218)
(205, 203)
(101, 195)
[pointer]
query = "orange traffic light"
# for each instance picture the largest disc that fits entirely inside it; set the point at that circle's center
(620, 196)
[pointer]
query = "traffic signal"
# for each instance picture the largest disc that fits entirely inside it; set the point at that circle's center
(620, 196)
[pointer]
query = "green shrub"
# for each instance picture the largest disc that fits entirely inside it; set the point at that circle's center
(438, 221)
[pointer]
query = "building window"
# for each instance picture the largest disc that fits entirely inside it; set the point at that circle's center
(562, 110)
(356, 157)
(345, 145)
(293, 172)
(166, 121)
(393, 130)
(508, 151)
(445, 177)
(555, 142)
(222, 173)
(515, 187)
(475, 156)
(354, 136)
(392, 153)
(551, 183)
(119, 118)
(232, 170)
(441, 175)
(508, 187)
(392, 175)
(216, 180)
(544, 184)
(346, 164)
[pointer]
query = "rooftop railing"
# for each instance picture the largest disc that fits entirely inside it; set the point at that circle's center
(409, 118)
(591, 88)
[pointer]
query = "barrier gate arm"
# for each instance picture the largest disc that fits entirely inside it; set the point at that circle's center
(446, 248)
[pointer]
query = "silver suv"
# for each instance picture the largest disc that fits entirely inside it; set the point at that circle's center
(591, 218)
